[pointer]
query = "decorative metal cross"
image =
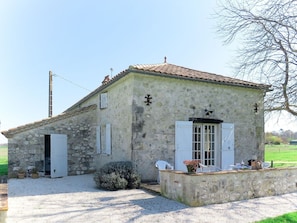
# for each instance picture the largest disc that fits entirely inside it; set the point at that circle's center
(148, 99)
(256, 107)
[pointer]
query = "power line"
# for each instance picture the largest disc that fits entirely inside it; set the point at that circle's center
(71, 82)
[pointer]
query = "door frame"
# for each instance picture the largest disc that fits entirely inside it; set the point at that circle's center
(224, 148)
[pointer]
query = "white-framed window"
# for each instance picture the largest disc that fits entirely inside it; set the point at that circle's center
(103, 100)
(103, 139)
(205, 140)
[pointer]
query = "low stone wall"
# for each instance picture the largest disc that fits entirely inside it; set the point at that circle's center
(226, 186)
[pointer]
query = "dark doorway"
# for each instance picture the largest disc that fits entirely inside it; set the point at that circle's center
(47, 154)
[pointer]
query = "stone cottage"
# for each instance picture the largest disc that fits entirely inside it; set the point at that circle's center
(144, 114)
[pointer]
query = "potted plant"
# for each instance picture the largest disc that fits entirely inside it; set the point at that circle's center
(34, 173)
(21, 173)
(192, 165)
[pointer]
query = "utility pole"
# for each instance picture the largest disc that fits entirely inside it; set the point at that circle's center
(50, 95)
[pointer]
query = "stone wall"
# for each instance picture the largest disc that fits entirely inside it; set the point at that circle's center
(226, 186)
(26, 148)
(176, 99)
(146, 133)
(119, 115)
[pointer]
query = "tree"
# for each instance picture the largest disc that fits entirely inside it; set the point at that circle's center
(268, 33)
(272, 139)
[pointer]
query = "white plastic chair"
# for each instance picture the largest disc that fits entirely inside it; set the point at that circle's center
(163, 165)
(205, 168)
(266, 165)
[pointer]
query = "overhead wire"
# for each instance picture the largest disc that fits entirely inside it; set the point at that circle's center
(71, 82)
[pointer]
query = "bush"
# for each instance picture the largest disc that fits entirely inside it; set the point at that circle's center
(274, 140)
(117, 175)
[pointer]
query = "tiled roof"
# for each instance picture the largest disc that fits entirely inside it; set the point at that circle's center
(46, 121)
(183, 72)
(173, 71)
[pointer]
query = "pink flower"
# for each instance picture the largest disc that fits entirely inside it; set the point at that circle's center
(192, 162)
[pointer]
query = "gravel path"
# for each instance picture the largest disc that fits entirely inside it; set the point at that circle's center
(75, 199)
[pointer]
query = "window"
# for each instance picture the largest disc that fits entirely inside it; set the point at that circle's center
(103, 100)
(103, 139)
(204, 143)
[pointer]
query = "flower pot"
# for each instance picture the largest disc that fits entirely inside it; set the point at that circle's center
(191, 169)
(35, 175)
(21, 175)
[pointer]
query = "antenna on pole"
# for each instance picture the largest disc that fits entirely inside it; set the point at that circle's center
(50, 95)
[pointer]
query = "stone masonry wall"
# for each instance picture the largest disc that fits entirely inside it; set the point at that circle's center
(118, 115)
(220, 187)
(173, 99)
(27, 148)
(146, 133)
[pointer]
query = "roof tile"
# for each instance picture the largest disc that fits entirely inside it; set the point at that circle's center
(171, 70)
(178, 71)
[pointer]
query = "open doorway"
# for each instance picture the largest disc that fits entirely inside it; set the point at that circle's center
(55, 155)
(47, 155)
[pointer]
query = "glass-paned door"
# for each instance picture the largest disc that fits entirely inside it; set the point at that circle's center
(204, 143)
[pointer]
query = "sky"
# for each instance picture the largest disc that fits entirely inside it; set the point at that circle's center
(81, 40)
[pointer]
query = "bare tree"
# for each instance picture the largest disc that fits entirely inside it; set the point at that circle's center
(267, 31)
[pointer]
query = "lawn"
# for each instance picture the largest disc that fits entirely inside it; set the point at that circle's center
(282, 155)
(286, 218)
(3, 160)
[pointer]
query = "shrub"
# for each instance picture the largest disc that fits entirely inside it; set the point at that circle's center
(274, 140)
(117, 175)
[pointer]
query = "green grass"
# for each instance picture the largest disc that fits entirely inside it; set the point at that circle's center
(3, 160)
(282, 155)
(286, 218)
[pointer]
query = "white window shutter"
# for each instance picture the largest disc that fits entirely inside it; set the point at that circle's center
(103, 100)
(227, 145)
(98, 139)
(183, 143)
(108, 139)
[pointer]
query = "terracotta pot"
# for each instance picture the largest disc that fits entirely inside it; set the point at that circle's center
(35, 175)
(21, 175)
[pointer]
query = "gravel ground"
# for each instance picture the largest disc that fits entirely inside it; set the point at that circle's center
(75, 199)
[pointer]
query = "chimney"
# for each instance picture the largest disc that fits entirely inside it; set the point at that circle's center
(106, 79)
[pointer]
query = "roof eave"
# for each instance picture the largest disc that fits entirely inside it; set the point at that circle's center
(132, 69)
(99, 89)
(255, 86)
(11, 132)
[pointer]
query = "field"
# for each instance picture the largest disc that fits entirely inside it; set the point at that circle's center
(282, 155)
(3, 160)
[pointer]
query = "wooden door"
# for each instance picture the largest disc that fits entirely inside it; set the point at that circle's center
(59, 162)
